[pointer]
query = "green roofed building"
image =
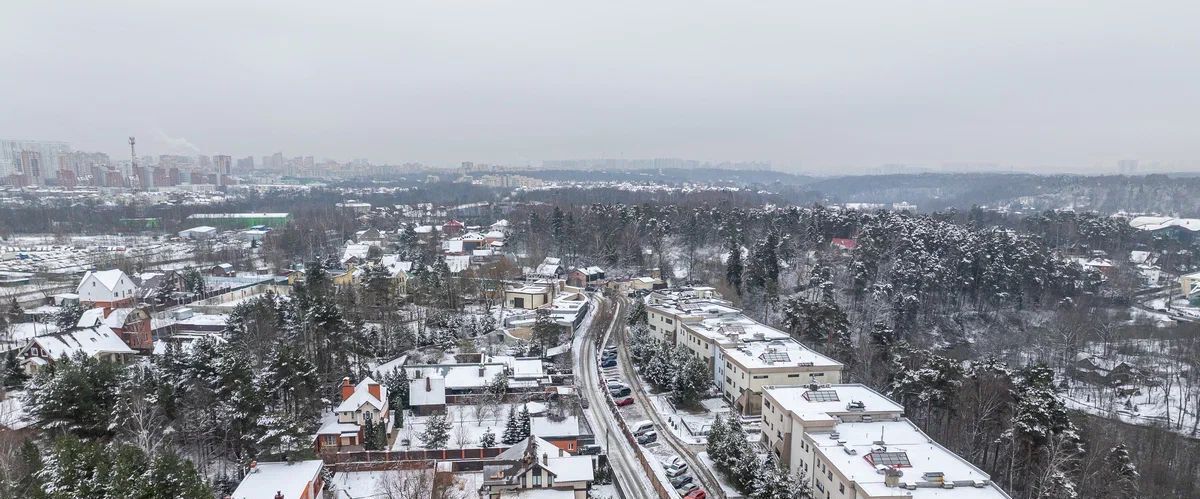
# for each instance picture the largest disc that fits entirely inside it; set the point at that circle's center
(240, 220)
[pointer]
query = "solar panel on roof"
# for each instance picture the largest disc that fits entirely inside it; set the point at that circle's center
(774, 357)
(890, 458)
(821, 396)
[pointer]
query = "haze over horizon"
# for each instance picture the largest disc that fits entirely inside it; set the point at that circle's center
(816, 87)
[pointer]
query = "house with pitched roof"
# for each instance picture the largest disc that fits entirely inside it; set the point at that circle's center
(98, 342)
(368, 400)
(106, 288)
(132, 324)
(535, 465)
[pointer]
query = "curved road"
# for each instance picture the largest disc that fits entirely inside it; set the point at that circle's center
(686, 451)
(631, 480)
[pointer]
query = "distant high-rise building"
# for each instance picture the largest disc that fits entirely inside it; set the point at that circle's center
(31, 165)
(222, 165)
(246, 164)
(46, 153)
(67, 179)
(203, 161)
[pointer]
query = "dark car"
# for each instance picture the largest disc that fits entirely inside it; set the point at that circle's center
(609, 363)
(681, 480)
(620, 392)
(589, 450)
(647, 437)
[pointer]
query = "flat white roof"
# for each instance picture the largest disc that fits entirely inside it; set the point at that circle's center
(827, 402)
(268, 478)
(856, 453)
(774, 351)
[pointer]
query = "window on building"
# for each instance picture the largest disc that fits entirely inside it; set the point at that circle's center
(760, 376)
(841, 488)
(794, 375)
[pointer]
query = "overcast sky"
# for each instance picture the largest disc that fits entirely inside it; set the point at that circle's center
(816, 86)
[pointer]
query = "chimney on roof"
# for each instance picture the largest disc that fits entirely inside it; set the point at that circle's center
(560, 452)
(347, 388)
(428, 385)
(278, 494)
(481, 370)
(375, 391)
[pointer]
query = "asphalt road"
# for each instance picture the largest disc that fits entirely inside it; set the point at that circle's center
(632, 480)
(686, 451)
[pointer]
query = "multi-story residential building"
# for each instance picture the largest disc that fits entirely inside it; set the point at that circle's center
(743, 354)
(852, 442)
(36, 159)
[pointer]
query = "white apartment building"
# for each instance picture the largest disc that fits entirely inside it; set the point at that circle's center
(744, 354)
(853, 443)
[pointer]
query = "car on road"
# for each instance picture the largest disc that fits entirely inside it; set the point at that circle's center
(620, 392)
(696, 494)
(609, 363)
(687, 489)
(674, 472)
(647, 437)
(624, 402)
(681, 480)
(589, 450)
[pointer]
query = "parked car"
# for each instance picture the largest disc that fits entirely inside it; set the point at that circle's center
(696, 494)
(624, 402)
(647, 437)
(674, 472)
(614, 385)
(609, 363)
(677, 465)
(641, 427)
(610, 348)
(687, 488)
(681, 480)
(589, 450)
(583, 402)
(620, 392)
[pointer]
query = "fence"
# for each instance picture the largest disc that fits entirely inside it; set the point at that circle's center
(374, 460)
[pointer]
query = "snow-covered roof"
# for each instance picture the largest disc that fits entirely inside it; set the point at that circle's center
(107, 278)
(91, 341)
(901, 439)
(452, 245)
(355, 250)
(290, 479)
(458, 263)
(494, 234)
(521, 367)
(545, 427)
(1157, 223)
(331, 426)
(828, 402)
(362, 395)
(430, 390)
(459, 376)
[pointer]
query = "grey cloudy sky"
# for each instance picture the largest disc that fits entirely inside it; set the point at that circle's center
(817, 85)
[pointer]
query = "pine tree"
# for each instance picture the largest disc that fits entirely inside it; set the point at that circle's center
(512, 430)
(437, 432)
(545, 330)
(488, 439)
(1123, 472)
(692, 378)
(734, 268)
(524, 421)
(717, 437)
(638, 314)
(68, 315)
(370, 437)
